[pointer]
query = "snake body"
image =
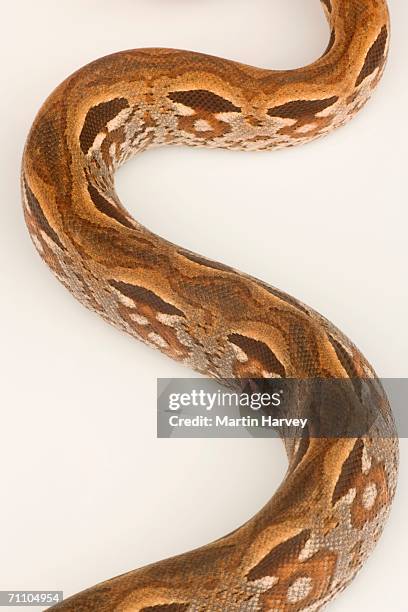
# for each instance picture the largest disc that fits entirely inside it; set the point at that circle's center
(315, 533)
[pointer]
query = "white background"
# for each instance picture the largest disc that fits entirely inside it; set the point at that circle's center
(88, 492)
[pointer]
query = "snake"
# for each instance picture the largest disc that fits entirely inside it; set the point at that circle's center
(317, 530)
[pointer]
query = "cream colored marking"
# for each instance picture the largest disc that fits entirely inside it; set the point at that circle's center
(112, 150)
(166, 319)
(158, 340)
(349, 497)
(266, 374)
(139, 319)
(53, 245)
(118, 121)
(369, 495)
(126, 301)
(366, 460)
(265, 583)
(201, 125)
(183, 110)
(239, 353)
(300, 589)
(96, 145)
(369, 371)
(37, 243)
(309, 549)
(304, 129)
(25, 203)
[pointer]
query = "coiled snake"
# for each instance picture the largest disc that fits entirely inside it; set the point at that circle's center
(311, 538)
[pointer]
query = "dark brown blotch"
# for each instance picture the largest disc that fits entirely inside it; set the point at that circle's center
(97, 118)
(108, 209)
(203, 100)
(290, 549)
(39, 215)
(351, 467)
(301, 108)
(375, 56)
(259, 351)
(145, 296)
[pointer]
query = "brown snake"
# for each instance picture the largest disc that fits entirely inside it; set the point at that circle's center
(315, 533)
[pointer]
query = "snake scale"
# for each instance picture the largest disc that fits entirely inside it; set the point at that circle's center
(309, 541)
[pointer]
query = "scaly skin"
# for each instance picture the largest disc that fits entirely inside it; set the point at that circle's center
(314, 534)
